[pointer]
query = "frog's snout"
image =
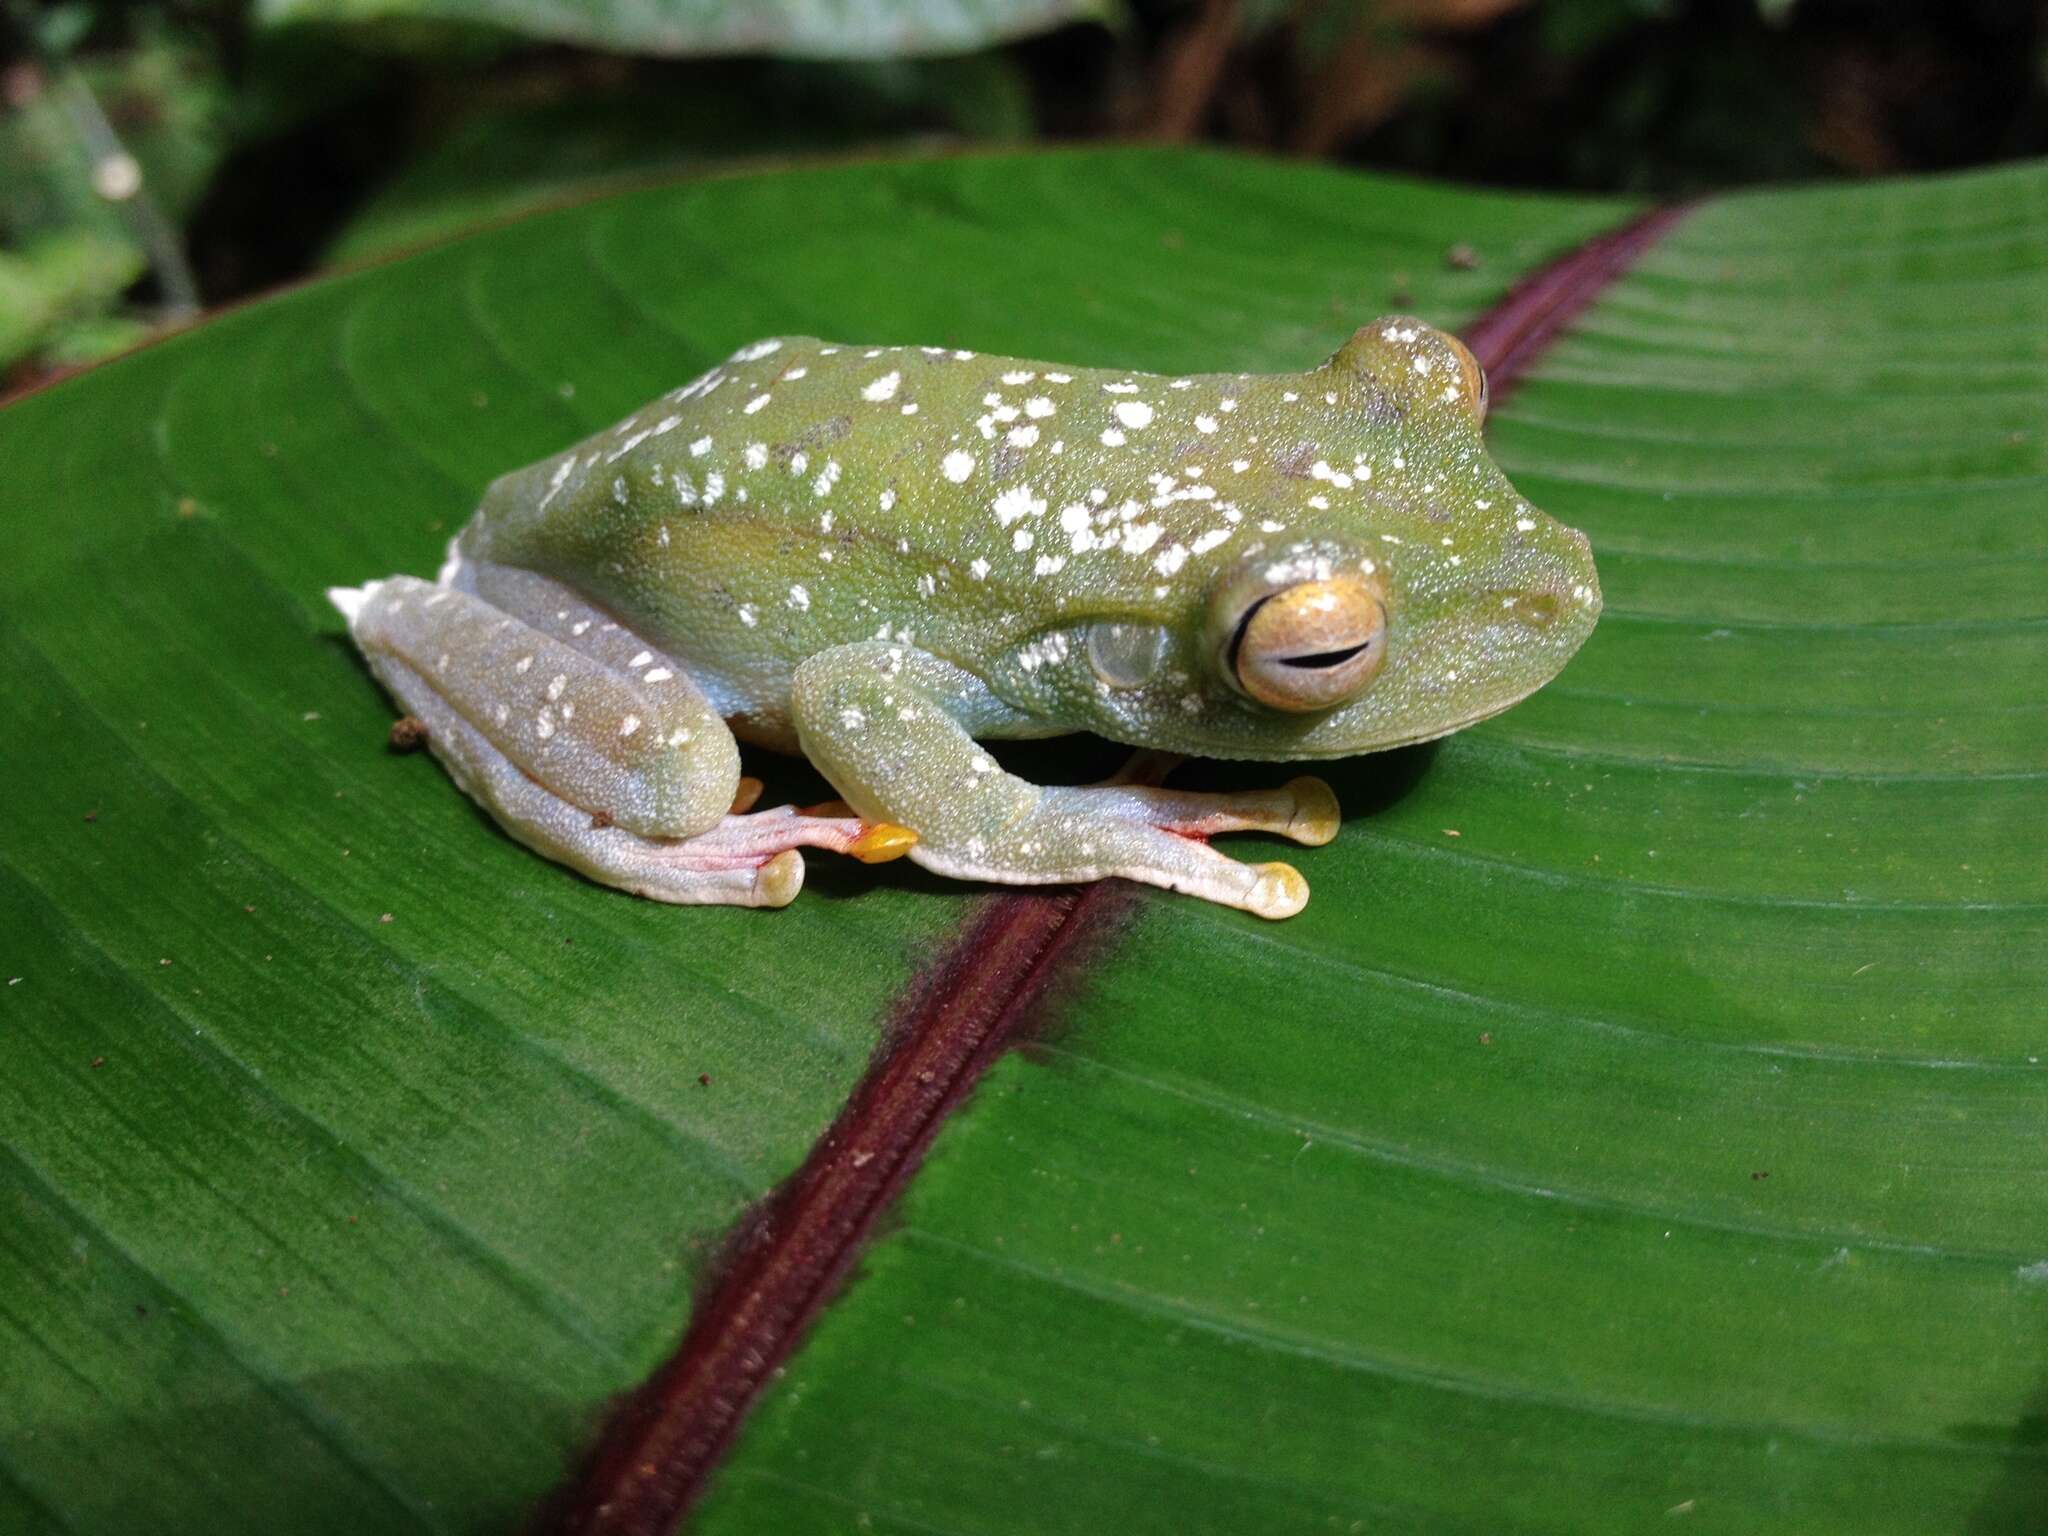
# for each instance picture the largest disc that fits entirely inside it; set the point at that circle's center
(1563, 588)
(1572, 584)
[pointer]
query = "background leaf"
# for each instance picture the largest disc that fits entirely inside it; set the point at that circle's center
(813, 29)
(314, 1221)
(515, 156)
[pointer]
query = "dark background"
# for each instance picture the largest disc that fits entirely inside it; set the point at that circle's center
(263, 150)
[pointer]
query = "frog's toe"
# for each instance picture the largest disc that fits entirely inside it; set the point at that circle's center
(1316, 818)
(777, 882)
(1278, 890)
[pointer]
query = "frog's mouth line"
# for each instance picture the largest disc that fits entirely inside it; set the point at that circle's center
(1301, 751)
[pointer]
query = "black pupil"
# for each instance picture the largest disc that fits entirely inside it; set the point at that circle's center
(1325, 658)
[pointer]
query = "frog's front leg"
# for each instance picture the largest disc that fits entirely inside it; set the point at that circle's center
(887, 724)
(582, 741)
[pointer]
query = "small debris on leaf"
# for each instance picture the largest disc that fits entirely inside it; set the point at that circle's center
(1461, 258)
(408, 734)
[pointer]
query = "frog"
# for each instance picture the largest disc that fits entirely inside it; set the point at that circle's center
(884, 558)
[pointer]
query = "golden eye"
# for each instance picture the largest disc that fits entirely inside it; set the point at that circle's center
(1475, 379)
(1310, 646)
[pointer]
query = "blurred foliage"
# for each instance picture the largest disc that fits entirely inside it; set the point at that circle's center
(154, 148)
(102, 157)
(529, 144)
(809, 29)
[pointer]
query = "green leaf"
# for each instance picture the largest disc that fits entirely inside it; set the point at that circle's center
(1646, 1122)
(313, 1221)
(875, 29)
(505, 159)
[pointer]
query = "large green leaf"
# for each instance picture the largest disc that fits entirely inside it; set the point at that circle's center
(315, 1221)
(502, 159)
(1648, 1116)
(809, 29)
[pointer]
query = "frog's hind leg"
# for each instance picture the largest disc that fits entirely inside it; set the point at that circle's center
(582, 741)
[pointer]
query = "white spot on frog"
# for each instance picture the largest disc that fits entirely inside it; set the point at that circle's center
(1017, 502)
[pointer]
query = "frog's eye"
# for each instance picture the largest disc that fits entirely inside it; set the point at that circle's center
(1310, 645)
(1474, 379)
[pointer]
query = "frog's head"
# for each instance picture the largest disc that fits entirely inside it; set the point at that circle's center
(1424, 596)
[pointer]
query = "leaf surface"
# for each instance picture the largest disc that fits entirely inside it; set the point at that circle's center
(1647, 1117)
(311, 1220)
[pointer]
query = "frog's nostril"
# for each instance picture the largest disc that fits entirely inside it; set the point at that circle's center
(1538, 610)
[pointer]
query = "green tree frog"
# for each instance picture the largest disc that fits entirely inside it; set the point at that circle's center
(881, 557)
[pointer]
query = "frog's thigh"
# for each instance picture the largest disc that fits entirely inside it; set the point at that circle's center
(883, 723)
(620, 771)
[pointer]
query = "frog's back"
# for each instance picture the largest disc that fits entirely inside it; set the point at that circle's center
(805, 494)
